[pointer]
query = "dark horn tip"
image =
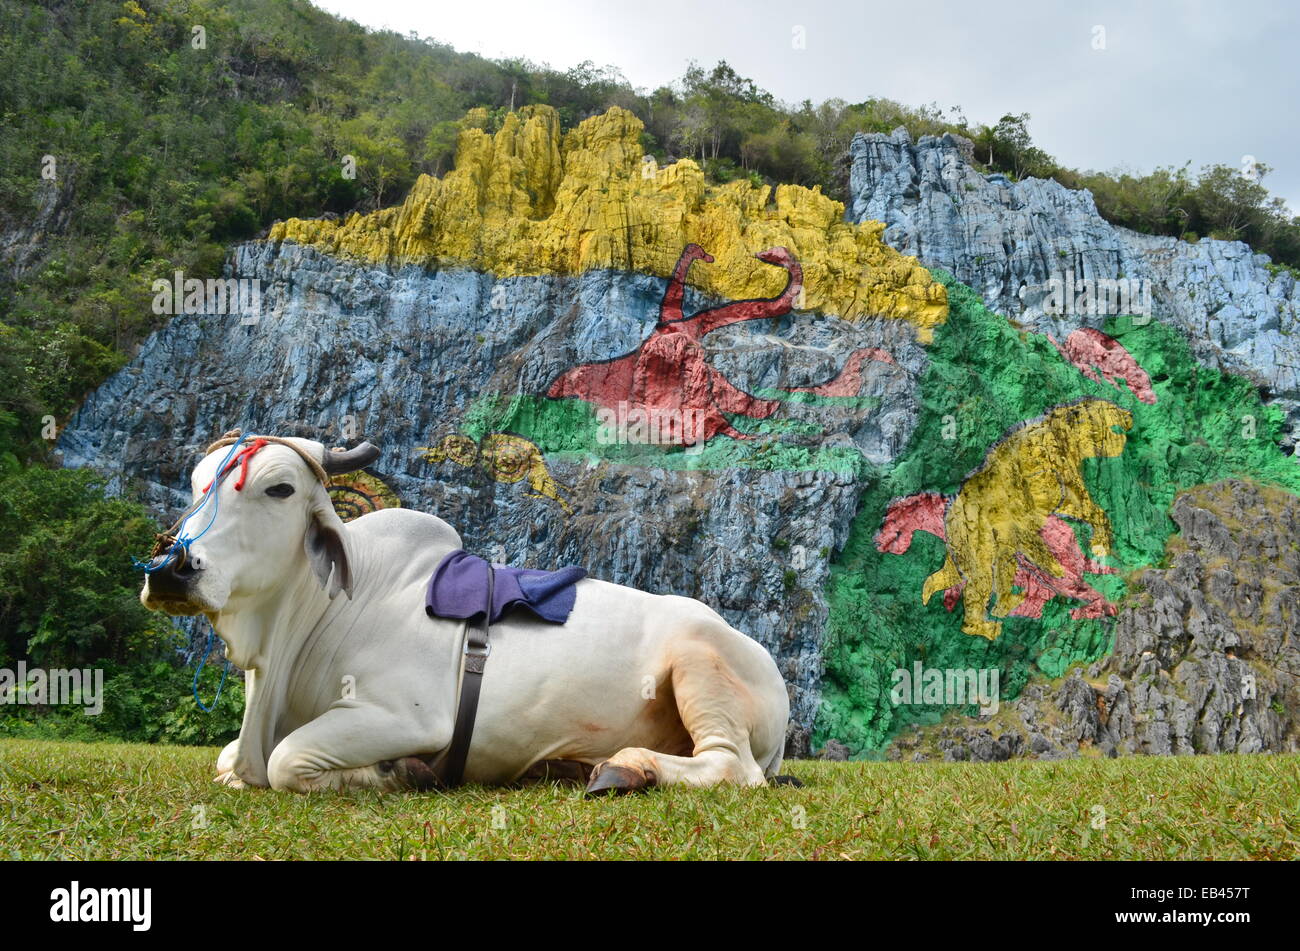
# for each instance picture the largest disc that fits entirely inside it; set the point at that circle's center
(349, 460)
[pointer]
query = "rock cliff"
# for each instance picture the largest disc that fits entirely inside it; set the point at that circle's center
(1206, 657)
(1008, 239)
(733, 393)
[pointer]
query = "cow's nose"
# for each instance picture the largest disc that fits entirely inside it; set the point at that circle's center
(173, 582)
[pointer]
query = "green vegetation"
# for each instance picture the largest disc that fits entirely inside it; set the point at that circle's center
(144, 702)
(986, 376)
(67, 589)
(70, 598)
(1220, 202)
(75, 801)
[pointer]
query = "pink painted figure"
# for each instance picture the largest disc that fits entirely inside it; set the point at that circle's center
(924, 512)
(670, 372)
(1091, 350)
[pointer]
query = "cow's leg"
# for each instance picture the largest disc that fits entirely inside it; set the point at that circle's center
(232, 761)
(716, 708)
(354, 747)
(226, 765)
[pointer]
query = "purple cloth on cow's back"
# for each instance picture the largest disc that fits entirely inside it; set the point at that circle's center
(458, 589)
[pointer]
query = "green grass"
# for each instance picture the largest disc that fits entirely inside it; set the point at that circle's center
(118, 801)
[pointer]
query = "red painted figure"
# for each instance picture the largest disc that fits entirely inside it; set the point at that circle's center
(1088, 349)
(669, 372)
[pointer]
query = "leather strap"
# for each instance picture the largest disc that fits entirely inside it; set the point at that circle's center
(476, 650)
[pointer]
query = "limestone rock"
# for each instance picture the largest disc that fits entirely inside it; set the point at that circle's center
(528, 201)
(1198, 666)
(1007, 239)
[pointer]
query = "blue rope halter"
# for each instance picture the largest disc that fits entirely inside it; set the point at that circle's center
(207, 649)
(181, 542)
(180, 548)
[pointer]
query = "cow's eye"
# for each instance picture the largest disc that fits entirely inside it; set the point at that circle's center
(281, 490)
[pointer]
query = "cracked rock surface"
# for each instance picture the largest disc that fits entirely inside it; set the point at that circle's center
(1206, 659)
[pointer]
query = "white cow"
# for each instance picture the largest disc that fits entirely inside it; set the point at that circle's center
(361, 690)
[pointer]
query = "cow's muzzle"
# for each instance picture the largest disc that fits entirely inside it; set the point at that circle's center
(174, 582)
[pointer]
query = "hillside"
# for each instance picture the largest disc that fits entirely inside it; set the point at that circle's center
(131, 147)
(793, 361)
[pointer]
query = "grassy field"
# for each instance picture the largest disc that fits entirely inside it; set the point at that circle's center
(113, 801)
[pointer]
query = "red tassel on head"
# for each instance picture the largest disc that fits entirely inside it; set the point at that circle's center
(241, 459)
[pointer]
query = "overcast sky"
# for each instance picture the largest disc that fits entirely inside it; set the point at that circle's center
(1209, 82)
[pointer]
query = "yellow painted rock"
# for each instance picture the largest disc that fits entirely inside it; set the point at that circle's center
(996, 521)
(531, 200)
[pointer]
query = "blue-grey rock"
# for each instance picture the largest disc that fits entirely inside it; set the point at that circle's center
(1008, 239)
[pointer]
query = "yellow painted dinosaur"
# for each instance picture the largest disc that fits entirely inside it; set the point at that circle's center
(997, 518)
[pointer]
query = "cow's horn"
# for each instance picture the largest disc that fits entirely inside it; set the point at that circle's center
(335, 461)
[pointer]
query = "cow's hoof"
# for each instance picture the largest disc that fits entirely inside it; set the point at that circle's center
(617, 781)
(409, 772)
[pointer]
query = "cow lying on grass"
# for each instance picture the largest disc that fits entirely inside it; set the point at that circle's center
(361, 690)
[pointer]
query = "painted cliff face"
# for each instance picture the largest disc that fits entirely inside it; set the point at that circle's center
(998, 520)
(354, 494)
(722, 391)
(1094, 352)
(503, 457)
(927, 511)
(669, 377)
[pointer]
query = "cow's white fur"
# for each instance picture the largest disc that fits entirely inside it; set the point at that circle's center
(661, 685)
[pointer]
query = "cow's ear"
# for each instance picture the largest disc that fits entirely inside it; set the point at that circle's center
(326, 545)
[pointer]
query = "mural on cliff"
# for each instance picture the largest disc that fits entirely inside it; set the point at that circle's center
(1099, 466)
(506, 458)
(354, 494)
(545, 214)
(1094, 352)
(925, 512)
(994, 527)
(668, 380)
(1019, 245)
(722, 391)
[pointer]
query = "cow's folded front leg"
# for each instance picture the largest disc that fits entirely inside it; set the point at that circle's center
(226, 766)
(634, 769)
(356, 748)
